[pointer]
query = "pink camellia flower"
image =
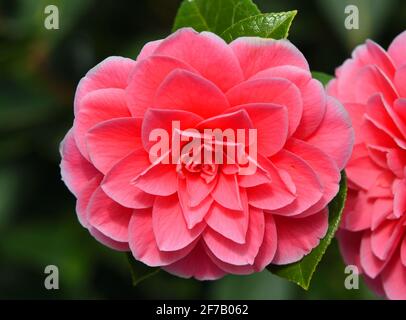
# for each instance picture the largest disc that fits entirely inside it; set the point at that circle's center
(372, 87)
(205, 220)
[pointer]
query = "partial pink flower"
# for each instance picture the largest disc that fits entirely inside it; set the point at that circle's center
(199, 220)
(372, 87)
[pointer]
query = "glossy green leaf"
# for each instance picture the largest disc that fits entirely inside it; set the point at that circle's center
(324, 78)
(267, 25)
(213, 15)
(301, 272)
(139, 271)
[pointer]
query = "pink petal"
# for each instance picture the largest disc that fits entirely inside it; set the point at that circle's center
(164, 120)
(396, 161)
(332, 88)
(300, 77)
(376, 55)
(384, 117)
(108, 216)
(314, 108)
(358, 210)
(159, 180)
(112, 72)
(257, 54)
(108, 242)
(227, 267)
(372, 80)
(76, 171)
(143, 243)
(363, 172)
(227, 193)
(312, 91)
(197, 264)
(273, 195)
(232, 224)
(198, 189)
(403, 251)
(84, 197)
(96, 107)
(234, 253)
(378, 156)
(400, 80)
(368, 54)
(183, 90)
(369, 262)
(298, 236)
(381, 210)
(394, 279)
(399, 200)
(309, 189)
(376, 136)
(323, 165)
(252, 180)
(146, 79)
(336, 123)
(110, 141)
(350, 243)
(271, 122)
(118, 185)
(400, 107)
(269, 245)
(236, 120)
(275, 91)
(192, 215)
(205, 52)
(170, 229)
(397, 49)
(385, 238)
(148, 49)
(356, 112)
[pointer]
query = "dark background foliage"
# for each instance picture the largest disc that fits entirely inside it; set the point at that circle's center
(39, 71)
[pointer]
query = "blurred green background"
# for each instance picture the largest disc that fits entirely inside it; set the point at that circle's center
(39, 70)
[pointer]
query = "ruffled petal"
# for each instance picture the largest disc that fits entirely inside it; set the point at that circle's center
(205, 52)
(397, 49)
(118, 183)
(183, 90)
(110, 141)
(275, 91)
(257, 54)
(108, 216)
(271, 123)
(298, 236)
(197, 265)
(234, 253)
(112, 72)
(146, 79)
(169, 225)
(336, 123)
(76, 171)
(96, 107)
(143, 243)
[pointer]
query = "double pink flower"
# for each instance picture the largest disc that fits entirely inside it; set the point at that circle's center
(372, 87)
(198, 220)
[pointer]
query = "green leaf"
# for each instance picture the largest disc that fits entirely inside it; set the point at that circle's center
(139, 271)
(301, 272)
(213, 15)
(324, 78)
(267, 25)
